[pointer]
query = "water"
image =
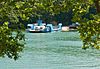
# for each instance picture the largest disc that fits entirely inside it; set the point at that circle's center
(58, 50)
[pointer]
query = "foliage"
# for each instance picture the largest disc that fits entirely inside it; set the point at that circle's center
(89, 29)
(9, 43)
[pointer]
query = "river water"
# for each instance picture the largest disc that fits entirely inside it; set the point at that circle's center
(58, 50)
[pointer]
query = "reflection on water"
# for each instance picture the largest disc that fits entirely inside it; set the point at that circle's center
(59, 50)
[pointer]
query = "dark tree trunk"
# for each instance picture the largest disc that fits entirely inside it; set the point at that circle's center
(97, 6)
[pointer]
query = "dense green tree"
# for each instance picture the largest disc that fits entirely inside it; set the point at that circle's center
(89, 28)
(10, 38)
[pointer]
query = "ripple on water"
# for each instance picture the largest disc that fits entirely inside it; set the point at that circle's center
(59, 50)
